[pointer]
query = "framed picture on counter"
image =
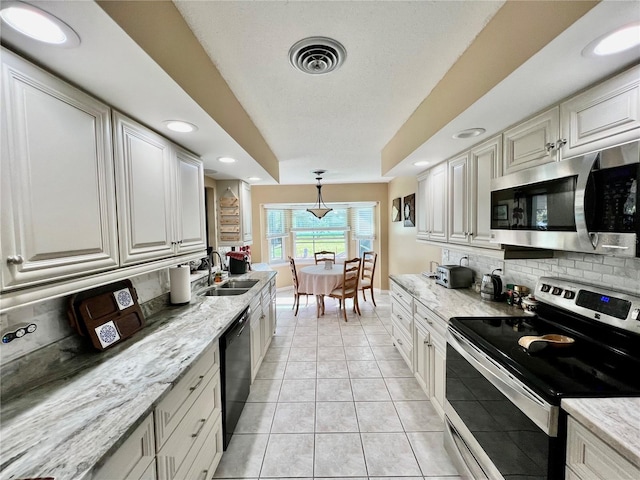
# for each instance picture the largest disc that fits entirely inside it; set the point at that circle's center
(410, 210)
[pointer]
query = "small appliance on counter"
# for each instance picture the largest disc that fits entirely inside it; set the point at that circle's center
(454, 276)
(491, 288)
(238, 263)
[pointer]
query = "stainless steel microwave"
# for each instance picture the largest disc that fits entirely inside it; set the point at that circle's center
(584, 204)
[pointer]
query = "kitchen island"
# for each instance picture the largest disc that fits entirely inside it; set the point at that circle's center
(68, 427)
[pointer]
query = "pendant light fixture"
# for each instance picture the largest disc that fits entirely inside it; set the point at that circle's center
(319, 210)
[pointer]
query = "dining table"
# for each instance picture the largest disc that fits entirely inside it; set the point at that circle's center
(319, 280)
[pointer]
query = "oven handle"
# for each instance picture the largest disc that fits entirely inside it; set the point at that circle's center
(543, 414)
(469, 462)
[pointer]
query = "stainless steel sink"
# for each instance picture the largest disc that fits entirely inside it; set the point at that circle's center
(223, 292)
(233, 284)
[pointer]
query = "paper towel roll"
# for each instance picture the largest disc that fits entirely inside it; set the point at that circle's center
(180, 285)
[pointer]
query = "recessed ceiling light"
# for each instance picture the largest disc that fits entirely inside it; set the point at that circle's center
(180, 126)
(421, 163)
(38, 24)
(621, 39)
(254, 179)
(226, 159)
(468, 133)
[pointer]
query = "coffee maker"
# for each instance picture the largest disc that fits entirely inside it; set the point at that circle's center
(491, 288)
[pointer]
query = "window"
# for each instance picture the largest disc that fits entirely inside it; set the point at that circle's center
(311, 234)
(277, 233)
(364, 228)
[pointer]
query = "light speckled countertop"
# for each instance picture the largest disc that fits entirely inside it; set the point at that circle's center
(65, 428)
(452, 302)
(614, 420)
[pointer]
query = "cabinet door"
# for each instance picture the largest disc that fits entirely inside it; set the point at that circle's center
(438, 211)
(439, 370)
(256, 342)
(190, 213)
(272, 309)
(143, 180)
(531, 143)
(422, 361)
(423, 204)
(247, 217)
(604, 116)
(58, 197)
(458, 199)
(132, 460)
(265, 322)
(485, 164)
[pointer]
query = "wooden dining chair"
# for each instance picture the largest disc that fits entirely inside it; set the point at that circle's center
(349, 287)
(324, 255)
(296, 293)
(369, 260)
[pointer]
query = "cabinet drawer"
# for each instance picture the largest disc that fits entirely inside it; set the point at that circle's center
(431, 321)
(403, 343)
(173, 407)
(182, 447)
(592, 459)
(131, 461)
(209, 456)
(401, 296)
(402, 317)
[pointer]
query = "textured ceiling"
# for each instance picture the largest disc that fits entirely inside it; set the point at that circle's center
(396, 53)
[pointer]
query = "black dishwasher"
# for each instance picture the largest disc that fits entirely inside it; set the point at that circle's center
(235, 372)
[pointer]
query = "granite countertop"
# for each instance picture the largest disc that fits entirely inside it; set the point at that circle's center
(614, 420)
(64, 428)
(452, 302)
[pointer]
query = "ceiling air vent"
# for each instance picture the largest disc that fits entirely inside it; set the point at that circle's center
(317, 55)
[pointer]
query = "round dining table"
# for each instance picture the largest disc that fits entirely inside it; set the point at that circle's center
(320, 281)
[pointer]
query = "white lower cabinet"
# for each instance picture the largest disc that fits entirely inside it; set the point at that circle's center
(402, 322)
(430, 354)
(135, 459)
(590, 458)
(182, 439)
(262, 323)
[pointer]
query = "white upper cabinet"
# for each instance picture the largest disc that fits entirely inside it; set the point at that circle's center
(58, 203)
(458, 199)
(603, 116)
(190, 211)
(470, 175)
(160, 189)
(431, 207)
(143, 180)
(423, 201)
(531, 143)
(247, 217)
(485, 162)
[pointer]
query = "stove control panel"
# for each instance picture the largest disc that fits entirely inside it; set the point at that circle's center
(621, 310)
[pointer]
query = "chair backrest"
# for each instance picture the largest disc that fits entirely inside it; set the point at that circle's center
(324, 255)
(369, 260)
(294, 273)
(351, 277)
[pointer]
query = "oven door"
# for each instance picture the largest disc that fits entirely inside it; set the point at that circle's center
(495, 425)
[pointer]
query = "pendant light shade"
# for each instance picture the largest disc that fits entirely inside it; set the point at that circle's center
(319, 210)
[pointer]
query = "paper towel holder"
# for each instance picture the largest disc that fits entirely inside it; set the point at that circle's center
(180, 293)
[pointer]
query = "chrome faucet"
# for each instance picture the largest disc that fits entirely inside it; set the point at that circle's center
(211, 265)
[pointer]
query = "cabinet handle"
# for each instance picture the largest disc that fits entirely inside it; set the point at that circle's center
(400, 342)
(202, 422)
(430, 322)
(200, 378)
(549, 146)
(561, 143)
(204, 474)
(15, 260)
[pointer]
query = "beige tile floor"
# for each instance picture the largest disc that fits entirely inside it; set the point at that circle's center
(335, 399)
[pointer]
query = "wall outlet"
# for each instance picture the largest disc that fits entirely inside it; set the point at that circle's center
(445, 255)
(498, 265)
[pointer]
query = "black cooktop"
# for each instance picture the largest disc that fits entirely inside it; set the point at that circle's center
(601, 362)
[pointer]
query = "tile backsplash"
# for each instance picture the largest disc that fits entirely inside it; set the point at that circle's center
(614, 273)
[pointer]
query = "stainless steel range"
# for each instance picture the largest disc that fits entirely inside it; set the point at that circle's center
(503, 416)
